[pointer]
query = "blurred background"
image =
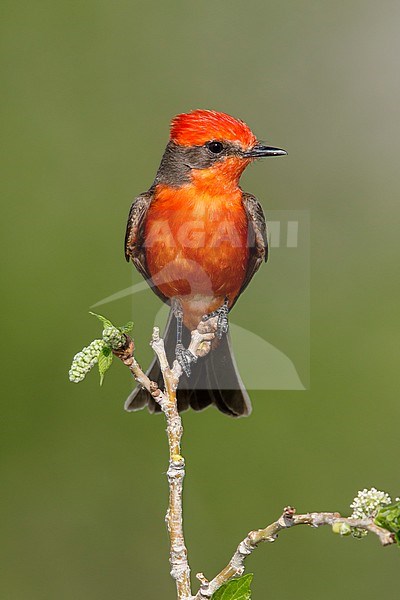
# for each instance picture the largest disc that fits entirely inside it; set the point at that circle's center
(90, 88)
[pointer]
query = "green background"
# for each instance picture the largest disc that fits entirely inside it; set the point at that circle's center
(90, 89)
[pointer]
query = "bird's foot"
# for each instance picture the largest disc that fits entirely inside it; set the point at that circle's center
(222, 320)
(185, 358)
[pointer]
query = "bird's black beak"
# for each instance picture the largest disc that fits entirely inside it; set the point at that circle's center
(258, 151)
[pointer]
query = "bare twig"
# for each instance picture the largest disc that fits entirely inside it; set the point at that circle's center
(235, 567)
(199, 346)
(180, 570)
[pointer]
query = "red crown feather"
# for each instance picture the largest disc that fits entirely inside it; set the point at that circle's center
(200, 126)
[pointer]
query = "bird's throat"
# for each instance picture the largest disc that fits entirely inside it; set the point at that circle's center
(222, 179)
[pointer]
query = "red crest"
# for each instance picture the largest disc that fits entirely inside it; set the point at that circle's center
(201, 126)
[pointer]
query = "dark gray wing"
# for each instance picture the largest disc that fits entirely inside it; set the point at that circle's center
(257, 237)
(134, 238)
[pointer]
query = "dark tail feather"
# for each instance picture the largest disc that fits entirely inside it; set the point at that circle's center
(214, 380)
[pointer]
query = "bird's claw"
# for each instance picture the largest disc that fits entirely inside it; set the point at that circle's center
(222, 321)
(185, 358)
(222, 324)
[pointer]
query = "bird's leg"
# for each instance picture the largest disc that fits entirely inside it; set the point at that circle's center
(222, 321)
(183, 356)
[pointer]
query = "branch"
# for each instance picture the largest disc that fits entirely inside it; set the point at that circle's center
(199, 346)
(370, 507)
(235, 567)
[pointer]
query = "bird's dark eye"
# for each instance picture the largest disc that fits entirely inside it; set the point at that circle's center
(215, 147)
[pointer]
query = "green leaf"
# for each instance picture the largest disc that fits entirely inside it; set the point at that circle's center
(235, 589)
(105, 360)
(105, 321)
(127, 327)
(388, 517)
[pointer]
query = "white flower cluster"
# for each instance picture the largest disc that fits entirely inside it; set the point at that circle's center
(366, 505)
(113, 337)
(85, 360)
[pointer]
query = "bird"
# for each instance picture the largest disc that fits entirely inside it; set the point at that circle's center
(197, 238)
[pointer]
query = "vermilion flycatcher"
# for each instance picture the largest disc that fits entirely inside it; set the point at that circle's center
(198, 239)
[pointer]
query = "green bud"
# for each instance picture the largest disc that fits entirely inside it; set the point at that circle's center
(83, 361)
(358, 533)
(113, 337)
(341, 528)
